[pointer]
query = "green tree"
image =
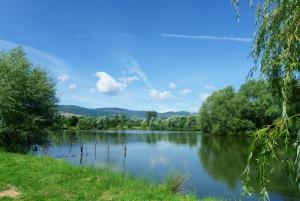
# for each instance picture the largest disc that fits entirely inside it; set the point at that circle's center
(172, 122)
(122, 121)
(27, 102)
(144, 124)
(276, 50)
(150, 115)
(259, 104)
(86, 123)
(152, 123)
(181, 122)
(59, 121)
(102, 123)
(221, 114)
(72, 121)
(191, 123)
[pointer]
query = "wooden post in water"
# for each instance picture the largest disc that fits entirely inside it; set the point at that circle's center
(96, 149)
(81, 153)
(125, 151)
(71, 143)
(125, 147)
(86, 156)
(108, 151)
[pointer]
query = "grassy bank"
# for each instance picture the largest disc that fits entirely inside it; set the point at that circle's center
(25, 177)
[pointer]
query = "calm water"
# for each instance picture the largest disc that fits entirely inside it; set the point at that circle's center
(213, 164)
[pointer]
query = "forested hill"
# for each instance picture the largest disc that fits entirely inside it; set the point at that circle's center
(77, 110)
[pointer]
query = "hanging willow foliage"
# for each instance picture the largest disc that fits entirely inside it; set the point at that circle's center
(276, 52)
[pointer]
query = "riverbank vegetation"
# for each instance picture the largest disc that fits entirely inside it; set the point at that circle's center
(33, 178)
(151, 122)
(240, 112)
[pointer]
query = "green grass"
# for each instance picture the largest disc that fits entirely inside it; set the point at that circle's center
(43, 178)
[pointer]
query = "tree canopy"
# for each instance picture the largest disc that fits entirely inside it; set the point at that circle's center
(27, 102)
(229, 112)
(175, 122)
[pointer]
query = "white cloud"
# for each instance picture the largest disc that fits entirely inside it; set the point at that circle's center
(160, 95)
(209, 87)
(133, 67)
(109, 85)
(204, 96)
(185, 91)
(172, 85)
(159, 160)
(127, 80)
(63, 77)
(207, 37)
(72, 86)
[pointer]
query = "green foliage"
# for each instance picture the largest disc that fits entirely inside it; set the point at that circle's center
(276, 53)
(27, 102)
(151, 115)
(230, 112)
(123, 122)
(86, 123)
(175, 183)
(72, 121)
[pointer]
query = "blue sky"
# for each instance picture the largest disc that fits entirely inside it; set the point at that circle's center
(143, 55)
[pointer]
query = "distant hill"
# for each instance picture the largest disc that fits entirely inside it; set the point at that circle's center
(77, 110)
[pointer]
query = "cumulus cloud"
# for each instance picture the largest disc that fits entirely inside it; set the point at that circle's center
(72, 86)
(108, 85)
(209, 87)
(204, 96)
(160, 95)
(185, 91)
(63, 77)
(172, 85)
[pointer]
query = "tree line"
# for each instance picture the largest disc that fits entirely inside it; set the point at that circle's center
(254, 106)
(152, 122)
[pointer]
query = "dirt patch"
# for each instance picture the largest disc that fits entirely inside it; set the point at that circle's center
(108, 196)
(10, 193)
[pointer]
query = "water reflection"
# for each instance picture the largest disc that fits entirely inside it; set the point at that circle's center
(224, 158)
(214, 164)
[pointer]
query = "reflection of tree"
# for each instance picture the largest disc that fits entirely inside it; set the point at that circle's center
(190, 139)
(224, 158)
(73, 137)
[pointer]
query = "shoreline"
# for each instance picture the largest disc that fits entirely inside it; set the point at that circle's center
(44, 178)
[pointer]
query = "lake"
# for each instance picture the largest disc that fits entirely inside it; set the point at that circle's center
(213, 164)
